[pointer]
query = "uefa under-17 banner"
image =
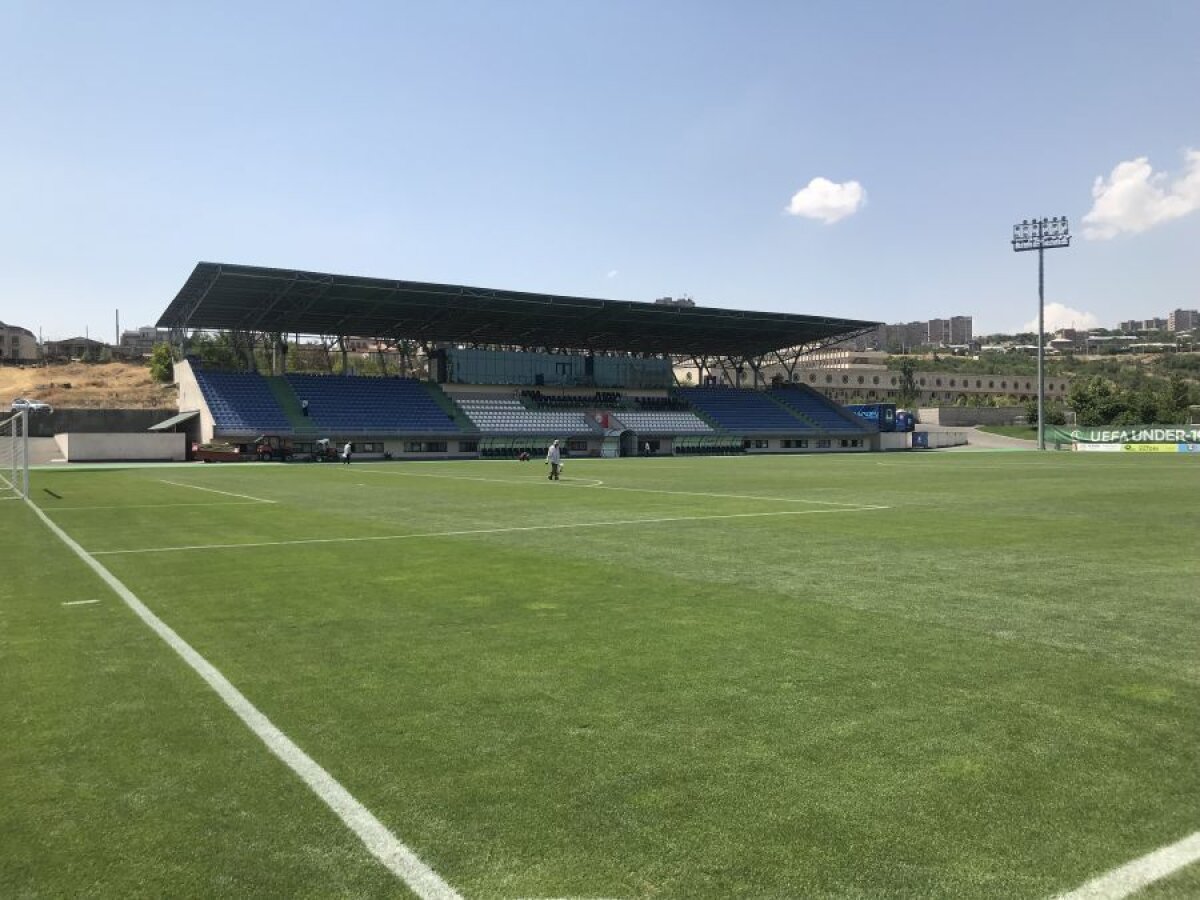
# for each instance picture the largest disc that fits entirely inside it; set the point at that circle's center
(1134, 438)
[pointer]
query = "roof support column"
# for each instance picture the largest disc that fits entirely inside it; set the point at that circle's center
(756, 368)
(788, 367)
(279, 349)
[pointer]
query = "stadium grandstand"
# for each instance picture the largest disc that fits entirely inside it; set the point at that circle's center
(501, 372)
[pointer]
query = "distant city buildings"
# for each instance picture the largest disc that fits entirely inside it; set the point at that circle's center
(20, 346)
(1141, 326)
(1177, 321)
(957, 331)
(1070, 340)
(957, 335)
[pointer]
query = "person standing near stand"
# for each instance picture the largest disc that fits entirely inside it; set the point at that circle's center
(346, 453)
(554, 458)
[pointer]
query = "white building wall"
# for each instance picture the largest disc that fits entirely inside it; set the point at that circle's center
(191, 397)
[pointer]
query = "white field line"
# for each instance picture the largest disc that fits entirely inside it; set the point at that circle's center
(56, 509)
(79, 602)
(941, 465)
(532, 480)
(514, 528)
(384, 845)
(608, 487)
(1134, 876)
(215, 491)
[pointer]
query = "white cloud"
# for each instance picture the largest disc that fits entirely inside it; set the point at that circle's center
(611, 273)
(1057, 316)
(827, 200)
(1135, 197)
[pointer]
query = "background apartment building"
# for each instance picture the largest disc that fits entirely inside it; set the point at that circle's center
(1139, 326)
(1183, 320)
(138, 343)
(17, 344)
(75, 348)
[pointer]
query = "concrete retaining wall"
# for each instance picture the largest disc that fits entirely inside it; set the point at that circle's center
(95, 421)
(966, 416)
(946, 439)
(123, 447)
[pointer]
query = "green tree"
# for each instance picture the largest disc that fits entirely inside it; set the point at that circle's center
(161, 365)
(215, 351)
(1098, 401)
(1173, 401)
(1055, 414)
(906, 394)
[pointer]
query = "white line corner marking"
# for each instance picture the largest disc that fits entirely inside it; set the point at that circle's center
(385, 846)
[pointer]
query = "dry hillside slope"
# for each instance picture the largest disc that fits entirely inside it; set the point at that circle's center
(115, 385)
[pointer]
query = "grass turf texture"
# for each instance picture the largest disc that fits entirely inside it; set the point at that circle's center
(988, 689)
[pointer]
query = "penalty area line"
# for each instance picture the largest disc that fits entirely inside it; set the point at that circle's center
(375, 836)
(600, 485)
(214, 504)
(197, 487)
(1133, 876)
(471, 531)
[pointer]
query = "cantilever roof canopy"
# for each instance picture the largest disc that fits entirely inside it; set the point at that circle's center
(167, 424)
(253, 298)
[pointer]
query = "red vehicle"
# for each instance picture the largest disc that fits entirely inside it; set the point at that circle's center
(324, 451)
(272, 446)
(217, 453)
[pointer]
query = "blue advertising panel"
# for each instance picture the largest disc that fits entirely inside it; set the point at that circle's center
(882, 415)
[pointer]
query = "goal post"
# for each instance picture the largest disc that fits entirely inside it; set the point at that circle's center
(14, 456)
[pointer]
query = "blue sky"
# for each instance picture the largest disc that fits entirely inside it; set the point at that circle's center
(616, 149)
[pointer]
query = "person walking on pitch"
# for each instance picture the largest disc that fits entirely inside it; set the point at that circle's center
(554, 458)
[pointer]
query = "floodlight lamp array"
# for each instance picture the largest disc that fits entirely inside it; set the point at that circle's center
(1036, 234)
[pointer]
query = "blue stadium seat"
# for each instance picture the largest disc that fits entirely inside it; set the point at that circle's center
(241, 402)
(743, 411)
(819, 409)
(361, 403)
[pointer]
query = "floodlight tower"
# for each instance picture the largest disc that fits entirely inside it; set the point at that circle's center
(1041, 235)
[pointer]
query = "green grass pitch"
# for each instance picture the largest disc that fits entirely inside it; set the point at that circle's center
(946, 675)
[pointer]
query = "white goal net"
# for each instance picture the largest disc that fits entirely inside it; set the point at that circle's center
(14, 456)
